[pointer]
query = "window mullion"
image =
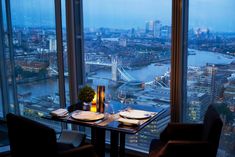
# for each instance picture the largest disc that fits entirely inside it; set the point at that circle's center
(3, 79)
(73, 86)
(79, 47)
(179, 58)
(12, 56)
(60, 58)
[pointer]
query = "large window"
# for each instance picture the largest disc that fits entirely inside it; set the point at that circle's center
(128, 49)
(35, 57)
(211, 64)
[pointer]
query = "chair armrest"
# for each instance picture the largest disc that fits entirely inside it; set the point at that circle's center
(82, 151)
(181, 131)
(185, 148)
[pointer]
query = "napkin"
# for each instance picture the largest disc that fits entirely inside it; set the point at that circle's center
(135, 114)
(129, 121)
(60, 112)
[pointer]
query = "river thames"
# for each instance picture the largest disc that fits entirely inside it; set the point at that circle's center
(147, 73)
(143, 74)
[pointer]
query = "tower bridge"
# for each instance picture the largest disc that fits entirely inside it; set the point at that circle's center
(117, 70)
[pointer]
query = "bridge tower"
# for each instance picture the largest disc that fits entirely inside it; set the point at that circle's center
(114, 69)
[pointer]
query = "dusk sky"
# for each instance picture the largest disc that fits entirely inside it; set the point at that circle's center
(217, 15)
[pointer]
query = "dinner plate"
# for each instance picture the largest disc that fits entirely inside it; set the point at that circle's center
(87, 115)
(135, 114)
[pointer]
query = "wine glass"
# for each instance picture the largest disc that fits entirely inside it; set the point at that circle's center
(108, 104)
(122, 96)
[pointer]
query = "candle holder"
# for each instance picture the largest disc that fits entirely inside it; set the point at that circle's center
(93, 104)
(100, 98)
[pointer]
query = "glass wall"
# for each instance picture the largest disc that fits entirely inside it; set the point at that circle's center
(128, 49)
(35, 57)
(1, 103)
(211, 64)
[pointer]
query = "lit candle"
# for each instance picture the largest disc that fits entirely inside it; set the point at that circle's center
(93, 105)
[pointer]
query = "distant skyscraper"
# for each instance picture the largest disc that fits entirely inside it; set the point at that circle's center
(157, 29)
(165, 32)
(132, 33)
(153, 28)
(149, 26)
(52, 45)
(19, 37)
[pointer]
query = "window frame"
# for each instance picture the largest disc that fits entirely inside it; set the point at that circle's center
(179, 59)
(3, 80)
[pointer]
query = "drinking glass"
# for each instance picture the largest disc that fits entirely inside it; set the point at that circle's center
(108, 105)
(122, 96)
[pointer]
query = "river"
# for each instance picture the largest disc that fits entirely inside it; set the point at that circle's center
(146, 73)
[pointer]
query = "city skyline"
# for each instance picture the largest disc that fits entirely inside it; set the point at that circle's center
(102, 13)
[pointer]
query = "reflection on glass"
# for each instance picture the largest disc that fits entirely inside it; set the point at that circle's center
(211, 64)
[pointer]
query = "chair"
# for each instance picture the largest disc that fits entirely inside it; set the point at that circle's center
(29, 138)
(192, 140)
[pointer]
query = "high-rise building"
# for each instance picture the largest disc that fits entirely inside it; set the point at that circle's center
(157, 29)
(52, 45)
(165, 32)
(149, 27)
(153, 28)
(197, 106)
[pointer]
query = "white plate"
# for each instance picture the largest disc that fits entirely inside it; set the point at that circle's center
(87, 115)
(135, 114)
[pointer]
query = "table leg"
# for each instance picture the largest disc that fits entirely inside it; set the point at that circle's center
(98, 140)
(93, 136)
(122, 144)
(114, 144)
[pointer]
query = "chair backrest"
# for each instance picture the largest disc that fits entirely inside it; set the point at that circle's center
(212, 129)
(30, 138)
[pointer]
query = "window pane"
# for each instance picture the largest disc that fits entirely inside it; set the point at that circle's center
(211, 64)
(1, 103)
(127, 49)
(34, 39)
(8, 66)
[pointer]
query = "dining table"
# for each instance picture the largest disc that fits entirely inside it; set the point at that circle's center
(110, 122)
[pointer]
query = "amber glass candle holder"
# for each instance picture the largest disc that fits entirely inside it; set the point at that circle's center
(100, 98)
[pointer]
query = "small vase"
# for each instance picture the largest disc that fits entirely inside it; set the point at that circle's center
(86, 106)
